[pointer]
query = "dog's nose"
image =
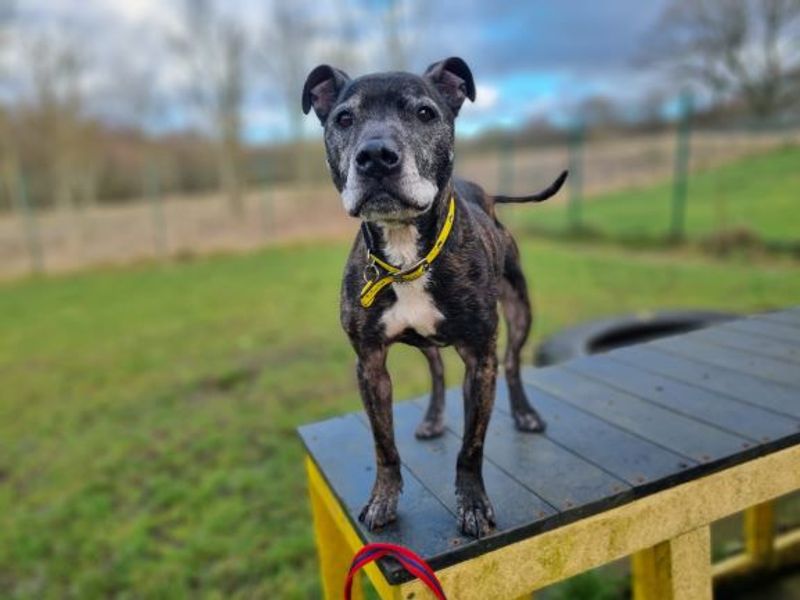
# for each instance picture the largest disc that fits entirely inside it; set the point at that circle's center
(378, 158)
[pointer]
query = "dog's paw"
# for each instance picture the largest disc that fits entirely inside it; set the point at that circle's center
(379, 511)
(529, 421)
(475, 514)
(429, 429)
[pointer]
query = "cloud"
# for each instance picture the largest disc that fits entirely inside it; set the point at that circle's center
(139, 11)
(528, 58)
(486, 97)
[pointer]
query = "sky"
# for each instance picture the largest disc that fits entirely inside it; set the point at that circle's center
(541, 58)
(534, 59)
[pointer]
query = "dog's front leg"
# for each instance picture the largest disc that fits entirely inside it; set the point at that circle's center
(475, 512)
(376, 394)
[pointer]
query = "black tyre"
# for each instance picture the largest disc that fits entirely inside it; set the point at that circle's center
(594, 337)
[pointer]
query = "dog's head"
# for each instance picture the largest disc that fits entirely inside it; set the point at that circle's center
(389, 136)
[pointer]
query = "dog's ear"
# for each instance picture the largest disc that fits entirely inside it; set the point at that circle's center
(321, 90)
(453, 79)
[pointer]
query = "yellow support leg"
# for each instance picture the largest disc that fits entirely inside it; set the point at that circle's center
(678, 569)
(759, 534)
(337, 543)
(333, 550)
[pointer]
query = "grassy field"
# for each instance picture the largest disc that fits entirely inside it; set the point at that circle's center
(758, 194)
(147, 414)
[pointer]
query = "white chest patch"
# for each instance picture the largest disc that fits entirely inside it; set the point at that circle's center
(414, 308)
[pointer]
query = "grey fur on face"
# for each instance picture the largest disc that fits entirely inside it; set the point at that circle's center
(424, 146)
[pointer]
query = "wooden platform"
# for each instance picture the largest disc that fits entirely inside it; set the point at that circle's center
(622, 426)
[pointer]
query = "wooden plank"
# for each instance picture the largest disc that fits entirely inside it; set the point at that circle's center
(762, 346)
(433, 462)
(779, 398)
(617, 451)
(342, 448)
(789, 317)
(562, 478)
(766, 328)
(666, 428)
(560, 553)
(565, 480)
(745, 362)
(745, 420)
(676, 569)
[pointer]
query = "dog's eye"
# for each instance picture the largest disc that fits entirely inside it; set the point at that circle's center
(425, 114)
(345, 119)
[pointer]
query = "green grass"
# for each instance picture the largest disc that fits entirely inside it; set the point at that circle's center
(759, 193)
(147, 415)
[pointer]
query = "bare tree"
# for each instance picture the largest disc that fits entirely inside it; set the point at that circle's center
(56, 68)
(651, 107)
(230, 96)
(287, 52)
(212, 47)
(347, 33)
(393, 35)
(402, 25)
(733, 47)
(287, 55)
(599, 111)
(9, 160)
(7, 14)
(62, 138)
(289, 30)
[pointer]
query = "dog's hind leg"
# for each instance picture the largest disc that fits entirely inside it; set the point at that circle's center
(517, 311)
(432, 424)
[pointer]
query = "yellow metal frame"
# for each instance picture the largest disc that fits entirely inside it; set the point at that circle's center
(666, 534)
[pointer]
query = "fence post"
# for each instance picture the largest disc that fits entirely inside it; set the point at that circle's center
(267, 207)
(576, 141)
(19, 192)
(153, 193)
(680, 181)
(505, 172)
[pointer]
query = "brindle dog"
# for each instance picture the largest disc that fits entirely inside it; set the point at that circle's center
(389, 139)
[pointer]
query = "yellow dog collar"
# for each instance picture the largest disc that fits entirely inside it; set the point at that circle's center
(375, 283)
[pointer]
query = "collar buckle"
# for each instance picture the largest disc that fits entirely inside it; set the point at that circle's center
(371, 273)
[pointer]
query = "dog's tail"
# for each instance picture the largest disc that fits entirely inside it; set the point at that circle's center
(546, 193)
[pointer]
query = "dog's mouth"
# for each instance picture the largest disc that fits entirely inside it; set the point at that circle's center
(382, 203)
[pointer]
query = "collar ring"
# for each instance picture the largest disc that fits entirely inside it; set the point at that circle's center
(371, 273)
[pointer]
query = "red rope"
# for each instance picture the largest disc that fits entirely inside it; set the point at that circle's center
(411, 561)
